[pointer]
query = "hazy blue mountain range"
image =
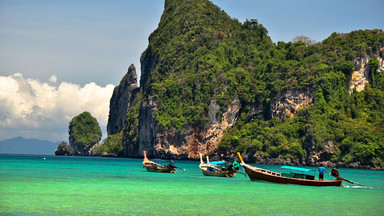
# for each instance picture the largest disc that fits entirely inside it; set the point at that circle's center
(20, 145)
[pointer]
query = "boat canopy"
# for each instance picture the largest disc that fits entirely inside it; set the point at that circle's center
(220, 164)
(297, 169)
(217, 162)
(298, 172)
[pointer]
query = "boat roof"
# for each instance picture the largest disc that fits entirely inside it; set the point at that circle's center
(297, 168)
(218, 162)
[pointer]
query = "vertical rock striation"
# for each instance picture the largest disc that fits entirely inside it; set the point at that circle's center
(186, 143)
(360, 75)
(121, 100)
(285, 104)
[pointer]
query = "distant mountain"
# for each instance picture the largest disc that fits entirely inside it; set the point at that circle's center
(20, 145)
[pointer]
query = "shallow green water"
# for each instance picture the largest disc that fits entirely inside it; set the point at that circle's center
(32, 185)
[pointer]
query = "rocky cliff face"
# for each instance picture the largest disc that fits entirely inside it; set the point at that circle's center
(148, 61)
(360, 75)
(185, 48)
(285, 104)
(122, 98)
(157, 64)
(186, 143)
(64, 149)
(82, 151)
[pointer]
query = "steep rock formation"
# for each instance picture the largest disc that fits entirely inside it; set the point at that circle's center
(360, 75)
(64, 149)
(218, 123)
(186, 143)
(381, 59)
(163, 60)
(84, 133)
(82, 150)
(286, 103)
(147, 128)
(319, 155)
(148, 61)
(192, 63)
(121, 100)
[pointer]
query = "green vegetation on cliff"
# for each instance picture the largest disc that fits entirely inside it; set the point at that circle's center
(353, 122)
(84, 131)
(199, 54)
(112, 144)
(202, 55)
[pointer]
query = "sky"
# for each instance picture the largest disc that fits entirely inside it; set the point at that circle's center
(59, 58)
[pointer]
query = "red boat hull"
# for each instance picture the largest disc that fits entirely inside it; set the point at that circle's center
(255, 173)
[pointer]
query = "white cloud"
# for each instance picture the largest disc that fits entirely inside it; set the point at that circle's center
(35, 109)
(53, 78)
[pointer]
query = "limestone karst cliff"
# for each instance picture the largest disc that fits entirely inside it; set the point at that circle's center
(84, 133)
(121, 100)
(360, 75)
(210, 84)
(193, 124)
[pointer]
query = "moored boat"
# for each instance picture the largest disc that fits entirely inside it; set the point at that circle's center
(289, 175)
(158, 165)
(218, 168)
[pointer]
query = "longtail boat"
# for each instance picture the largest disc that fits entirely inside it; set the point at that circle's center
(218, 168)
(158, 165)
(289, 175)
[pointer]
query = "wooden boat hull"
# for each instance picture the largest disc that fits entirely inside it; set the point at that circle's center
(217, 173)
(155, 167)
(152, 167)
(255, 173)
(213, 169)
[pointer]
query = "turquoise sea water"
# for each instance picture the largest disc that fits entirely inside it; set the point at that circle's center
(32, 185)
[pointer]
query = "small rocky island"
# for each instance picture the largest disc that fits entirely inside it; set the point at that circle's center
(64, 149)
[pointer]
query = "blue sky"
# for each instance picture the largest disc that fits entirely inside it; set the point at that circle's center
(79, 41)
(59, 58)
(96, 40)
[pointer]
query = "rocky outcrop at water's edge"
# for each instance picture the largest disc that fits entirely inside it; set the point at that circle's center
(64, 149)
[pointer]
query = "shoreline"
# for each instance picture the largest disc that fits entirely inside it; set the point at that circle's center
(268, 161)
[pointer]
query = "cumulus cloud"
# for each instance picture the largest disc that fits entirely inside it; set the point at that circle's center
(53, 78)
(36, 109)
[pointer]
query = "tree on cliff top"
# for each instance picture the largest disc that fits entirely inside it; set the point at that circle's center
(84, 131)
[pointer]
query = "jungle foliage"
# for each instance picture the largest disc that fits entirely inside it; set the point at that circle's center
(112, 144)
(84, 131)
(202, 54)
(353, 122)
